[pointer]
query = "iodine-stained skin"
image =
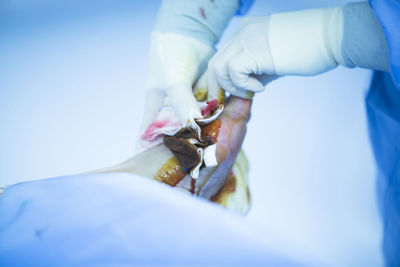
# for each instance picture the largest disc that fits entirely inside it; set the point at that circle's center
(229, 131)
(159, 163)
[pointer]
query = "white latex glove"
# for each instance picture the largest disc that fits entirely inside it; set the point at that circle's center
(287, 43)
(182, 43)
(306, 42)
(236, 65)
(175, 63)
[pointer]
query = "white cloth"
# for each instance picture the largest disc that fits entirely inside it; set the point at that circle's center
(116, 218)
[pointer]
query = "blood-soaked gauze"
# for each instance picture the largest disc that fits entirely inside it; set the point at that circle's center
(187, 144)
(188, 147)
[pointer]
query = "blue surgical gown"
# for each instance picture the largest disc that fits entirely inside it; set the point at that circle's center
(383, 109)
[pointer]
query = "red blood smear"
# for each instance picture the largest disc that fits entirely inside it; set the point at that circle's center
(206, 111)
(212, 104)
(150, 131)
(202, 12)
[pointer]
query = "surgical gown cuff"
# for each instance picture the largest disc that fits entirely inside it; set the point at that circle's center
(200, 19)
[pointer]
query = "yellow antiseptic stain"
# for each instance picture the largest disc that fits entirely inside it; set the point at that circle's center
(221, 96)
(249, 95)
(201, 94)
(171, 172)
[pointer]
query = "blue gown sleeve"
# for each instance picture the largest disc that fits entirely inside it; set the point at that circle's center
(388, 14)
(383, 110)
(244, 7)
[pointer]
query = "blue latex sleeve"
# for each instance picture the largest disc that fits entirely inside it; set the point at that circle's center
(388, 13)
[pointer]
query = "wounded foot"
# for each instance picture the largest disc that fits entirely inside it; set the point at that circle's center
(225, 183)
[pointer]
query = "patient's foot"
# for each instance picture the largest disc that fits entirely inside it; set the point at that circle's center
(228, 131)
(225, 183)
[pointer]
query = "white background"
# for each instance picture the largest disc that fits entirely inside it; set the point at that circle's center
(71, 99)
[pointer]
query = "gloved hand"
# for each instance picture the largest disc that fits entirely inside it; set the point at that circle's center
(305, 43)
(181, 45)
(175, 63)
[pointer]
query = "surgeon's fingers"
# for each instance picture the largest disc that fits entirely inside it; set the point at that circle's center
(200, 89)
(241, 67)
(218, 69)
(184, 103)
(212, 84)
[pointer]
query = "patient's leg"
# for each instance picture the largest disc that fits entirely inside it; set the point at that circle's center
(229, 131)
(218, 183)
